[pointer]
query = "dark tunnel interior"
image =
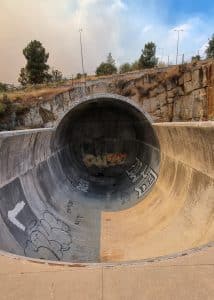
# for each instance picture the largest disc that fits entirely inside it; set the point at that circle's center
(109, 146)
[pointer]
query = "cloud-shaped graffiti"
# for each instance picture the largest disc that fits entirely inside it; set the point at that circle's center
(49, 238)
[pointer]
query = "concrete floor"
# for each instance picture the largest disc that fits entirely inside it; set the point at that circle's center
(184, 277)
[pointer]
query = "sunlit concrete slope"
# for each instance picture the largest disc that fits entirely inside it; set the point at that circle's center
(179, 212)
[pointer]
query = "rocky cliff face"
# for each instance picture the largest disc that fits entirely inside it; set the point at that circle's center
(181, 93)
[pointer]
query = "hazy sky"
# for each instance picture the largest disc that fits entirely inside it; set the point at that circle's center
(121, 27)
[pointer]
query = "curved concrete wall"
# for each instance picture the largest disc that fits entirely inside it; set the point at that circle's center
(52, 197)
(178, 213)
(44, 216)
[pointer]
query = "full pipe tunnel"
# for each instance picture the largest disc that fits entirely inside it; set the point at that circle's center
(93, 188)
(109, 151)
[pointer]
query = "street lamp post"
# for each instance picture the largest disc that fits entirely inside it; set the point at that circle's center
(178, 31)
(82, 59)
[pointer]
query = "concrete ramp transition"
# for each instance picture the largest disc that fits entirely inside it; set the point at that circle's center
(91, 189)
(107, 185)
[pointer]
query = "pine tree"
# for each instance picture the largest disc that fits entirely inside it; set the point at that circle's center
(36, 69)
(23, 77)
(148, 58)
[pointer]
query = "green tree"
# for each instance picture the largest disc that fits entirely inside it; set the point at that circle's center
(106, 69)
(36, 69)
(23, 77)
(210, 48)
(148, 58)
(124, 68)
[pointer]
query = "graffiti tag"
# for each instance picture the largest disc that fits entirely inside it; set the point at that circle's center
(142, 173)
(12, 214)
(146, 183)
(104, 160)
(48, 238)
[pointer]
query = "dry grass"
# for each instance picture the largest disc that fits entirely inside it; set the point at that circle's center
(35, 94)
(32, 95)
(39, 93)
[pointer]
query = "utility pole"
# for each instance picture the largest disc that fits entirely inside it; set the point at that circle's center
(182, 59)
(178, 31)
(82, 59)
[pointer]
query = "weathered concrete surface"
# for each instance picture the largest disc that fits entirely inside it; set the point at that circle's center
(176, 215)
(188, 277)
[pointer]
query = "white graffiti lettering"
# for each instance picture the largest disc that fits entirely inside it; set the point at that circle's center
(12, 214)
(135, 173)
(146, 183)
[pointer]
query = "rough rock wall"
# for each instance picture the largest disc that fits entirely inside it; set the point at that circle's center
(180, 93)
(184, 93)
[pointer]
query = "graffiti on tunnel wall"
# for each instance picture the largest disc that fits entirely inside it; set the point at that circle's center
(143, 175)
(104, 160)
(48, 238)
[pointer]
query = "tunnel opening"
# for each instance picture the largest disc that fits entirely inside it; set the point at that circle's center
(109, 150)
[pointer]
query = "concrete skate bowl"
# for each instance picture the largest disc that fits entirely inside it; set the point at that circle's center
(107, 185)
